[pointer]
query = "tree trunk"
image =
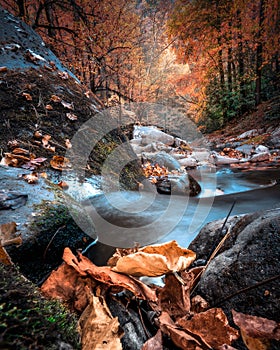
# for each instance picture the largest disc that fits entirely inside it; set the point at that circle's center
(259, 56)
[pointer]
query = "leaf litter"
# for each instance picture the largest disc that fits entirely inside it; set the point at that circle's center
(187, 322)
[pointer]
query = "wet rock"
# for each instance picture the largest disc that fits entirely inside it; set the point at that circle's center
(248, 134)
(260, 157)
(152, 134)
(222, 160)
(181, 185)
(11, 199)
(246, 149)
(163, 159)
(188, 162)
(261, 149)
(249, 256)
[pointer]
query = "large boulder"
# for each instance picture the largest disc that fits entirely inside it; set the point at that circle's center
(151, 134)
(181, 185)
(243, 276)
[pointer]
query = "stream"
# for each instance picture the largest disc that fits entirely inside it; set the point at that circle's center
(126, 218)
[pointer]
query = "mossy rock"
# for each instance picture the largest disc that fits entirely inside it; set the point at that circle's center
(29, 321)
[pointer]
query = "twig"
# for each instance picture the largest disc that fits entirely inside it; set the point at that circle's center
(142, 321)
(214, 253)
(51, 240)
(243, 290)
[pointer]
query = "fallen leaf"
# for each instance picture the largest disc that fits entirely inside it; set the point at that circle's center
(154, 343)
(98, 328)
(180, 338)
(211, 327)
(156, 260)
(49, 107)
(63, 185)
(60, 163)
(20, 151)
(3, 69)
(34, 163)
(105, 275)
(55, 98)
(174, 297)
(7, 231)
(44, 175)
(31, 178)
(4, 257)
(66, 284)
(226, 347)
(256, 331)
(13, 143)
(198, 304)
(27, 96)
(67, 105)
(71, 116)
(38, 134)
(45, 140)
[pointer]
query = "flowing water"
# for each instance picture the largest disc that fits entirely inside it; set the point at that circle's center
(124, 218)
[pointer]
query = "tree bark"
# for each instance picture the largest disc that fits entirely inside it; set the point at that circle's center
(259, 56)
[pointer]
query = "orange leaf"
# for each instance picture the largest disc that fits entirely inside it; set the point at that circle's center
(27, 96)
(60, 163)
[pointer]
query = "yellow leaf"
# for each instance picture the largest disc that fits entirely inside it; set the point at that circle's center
(98, 328)
(156, 260)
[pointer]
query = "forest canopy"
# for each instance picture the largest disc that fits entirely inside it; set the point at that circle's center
(218, 59)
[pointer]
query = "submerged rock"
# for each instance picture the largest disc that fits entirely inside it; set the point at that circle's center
(182, 185)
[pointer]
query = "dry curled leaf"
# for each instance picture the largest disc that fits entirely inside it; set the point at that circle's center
(60, 163)
(49, 107)
(20, 151)
(175, 296)
(180, 338)
(4, 257)
(105, 275)
(71, 116)
(256, 331)
(210, 327)
(27, 96)
(98, 328)
(156, 260)
(55, 98)
(154, 343)
(3, 69)
(31, 178)
(63, 185)
(66, 284)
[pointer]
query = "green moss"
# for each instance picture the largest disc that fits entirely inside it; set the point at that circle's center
(29, 321)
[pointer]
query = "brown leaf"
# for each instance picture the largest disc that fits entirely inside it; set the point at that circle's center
(31, 178)
(256, 331)
(68, 285)
(174, 297)
(60, 163)
(3, 69)
(198, 304)
(12, 144)
(4, 257)
(156, 260)
(180, 338)
(38, 134)
(55, 98)
(20, 151)
(105, 275)
(27, 96)
(98, 328)
(7, 231)
(154, 343)
(71, 116)
(211, 327)
(45, 140)
(49, 107)
(63, 185)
